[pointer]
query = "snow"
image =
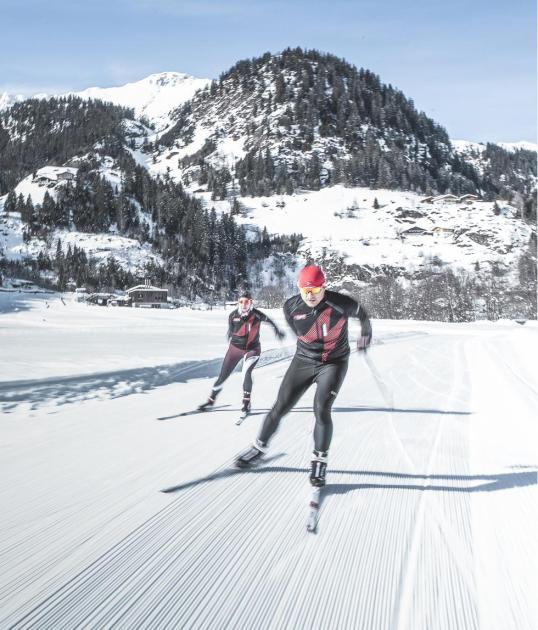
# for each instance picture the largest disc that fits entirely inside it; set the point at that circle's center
(522, 144)
(334, 220)
(30, 186)
(466, 146)
(428, 519)
(369, 236)
(8, 100)
(154, 96)
(129, 253)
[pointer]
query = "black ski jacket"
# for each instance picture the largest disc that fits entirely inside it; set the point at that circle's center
(244, 331)
(322, 332)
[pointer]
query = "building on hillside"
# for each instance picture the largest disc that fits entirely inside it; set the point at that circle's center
(443, 231)
(469, 198)
(148, 296)
(44, 179)
(446, 199)
(65, 176)
(415, 231)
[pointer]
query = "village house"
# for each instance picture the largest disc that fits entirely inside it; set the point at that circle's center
(65, 176)
(469, 198)
(44, 179)
(415, 231)
(449, 198)
(148, 296)
(443, 232)
(49, 175)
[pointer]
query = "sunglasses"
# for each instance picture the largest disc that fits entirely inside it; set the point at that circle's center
(244, 301)
(307, 290)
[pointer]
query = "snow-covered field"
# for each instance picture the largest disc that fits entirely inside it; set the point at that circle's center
(428, 520)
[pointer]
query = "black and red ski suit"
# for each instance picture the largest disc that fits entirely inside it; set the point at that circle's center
(321, 357)
(244, 336)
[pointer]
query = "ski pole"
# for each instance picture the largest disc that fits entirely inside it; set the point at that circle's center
(385, 393)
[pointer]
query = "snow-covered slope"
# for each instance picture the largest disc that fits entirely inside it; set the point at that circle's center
(343, 221)
(336, 221)
(153, 97)
(466, 146)
(427, 520)
(129, 253)
(522, 144)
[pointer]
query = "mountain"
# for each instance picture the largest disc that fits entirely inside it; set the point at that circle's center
(306, 120)
(152, 98)
(286, 158)
(93, 185)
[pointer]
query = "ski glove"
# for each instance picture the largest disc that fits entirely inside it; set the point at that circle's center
(363, 342)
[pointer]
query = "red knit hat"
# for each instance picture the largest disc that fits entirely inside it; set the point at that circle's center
(311, 276)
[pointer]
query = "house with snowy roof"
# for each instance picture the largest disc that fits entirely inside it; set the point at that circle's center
(443, 232)
(147, 296)
(66, 176)
(449, 198)
(416, 231)
(54, 174)
(469, 198)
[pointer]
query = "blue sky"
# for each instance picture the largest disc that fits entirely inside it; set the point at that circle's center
(469, 64)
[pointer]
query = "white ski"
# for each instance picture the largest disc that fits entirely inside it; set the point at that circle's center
(243, 415)
(313, 510)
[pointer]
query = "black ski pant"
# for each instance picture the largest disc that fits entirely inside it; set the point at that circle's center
(231, 359)
(301, 374)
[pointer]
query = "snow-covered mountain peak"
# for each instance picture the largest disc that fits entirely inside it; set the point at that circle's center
(522, 144)
(7, 100)
(467, 146)
(154, 97)
(164, 79)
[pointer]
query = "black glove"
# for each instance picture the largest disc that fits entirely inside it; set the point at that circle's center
(363, 342)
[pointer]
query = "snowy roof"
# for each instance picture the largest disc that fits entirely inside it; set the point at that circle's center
(145, 287)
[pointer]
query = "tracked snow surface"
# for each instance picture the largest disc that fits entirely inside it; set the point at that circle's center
(428, 520)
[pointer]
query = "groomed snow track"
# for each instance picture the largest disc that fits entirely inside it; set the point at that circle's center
(427, 522)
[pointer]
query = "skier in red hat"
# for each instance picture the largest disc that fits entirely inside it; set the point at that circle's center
(319, 318)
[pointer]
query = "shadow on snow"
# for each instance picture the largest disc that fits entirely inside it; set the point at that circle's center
(491, 482)
(68, 389)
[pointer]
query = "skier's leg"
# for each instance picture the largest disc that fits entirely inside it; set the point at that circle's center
(329, 380)
(249, 363)
(231, 359)
(298, 378)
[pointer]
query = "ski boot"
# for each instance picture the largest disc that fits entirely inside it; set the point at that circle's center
(252, 456)
(318, 469)
(210, 401)
(245, 409)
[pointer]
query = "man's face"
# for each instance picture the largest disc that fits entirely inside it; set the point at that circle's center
(244, 304)
(312, 295)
